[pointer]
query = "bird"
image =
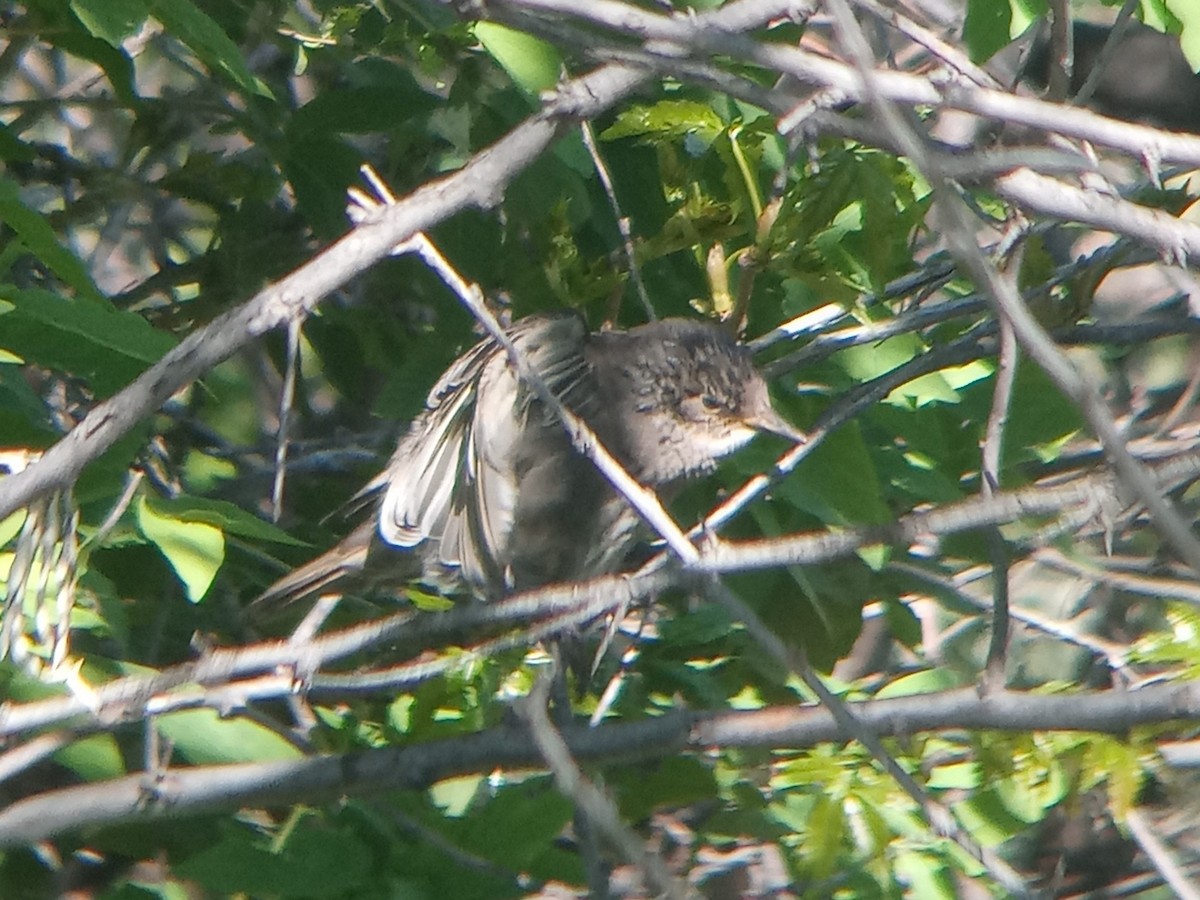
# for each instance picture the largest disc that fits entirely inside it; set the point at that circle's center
(1146, 76)
(487, 495)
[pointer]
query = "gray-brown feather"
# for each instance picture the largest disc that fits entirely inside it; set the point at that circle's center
(486, 494)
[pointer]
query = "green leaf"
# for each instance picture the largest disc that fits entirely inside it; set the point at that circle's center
(36, 234)
(93, 758)
(530, 62)
(518, 823)
(866, 363)
(361, 110)
(847, 491)
(427, 602)
(315, 862)
(676, 781)
(701, 626)
(111, 20)
(203, 737)
(454, 795)
(186, 22)
(1024, 13)
(72, 37)
(231, 519)
(986, 28)
(668, 119)
(11, 526)
(13, 149)
(1160, 15)
(194, 549)
(23, 418)
(988, 819)
(319, 167)
(926, 875)
(86, 337)
(1188, 14)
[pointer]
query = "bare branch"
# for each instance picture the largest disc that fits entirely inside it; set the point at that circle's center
(181, 792)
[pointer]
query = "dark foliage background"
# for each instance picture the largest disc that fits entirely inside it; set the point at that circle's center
(167, 162)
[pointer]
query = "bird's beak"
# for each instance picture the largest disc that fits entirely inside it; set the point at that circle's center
(770, 421)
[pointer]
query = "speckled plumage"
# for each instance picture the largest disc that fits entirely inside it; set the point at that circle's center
(485, 493)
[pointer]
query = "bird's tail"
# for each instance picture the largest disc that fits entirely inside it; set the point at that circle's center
(334, 571)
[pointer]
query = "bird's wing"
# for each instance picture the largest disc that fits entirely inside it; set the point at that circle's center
(419, 481)
(414, 490)
(453, 480)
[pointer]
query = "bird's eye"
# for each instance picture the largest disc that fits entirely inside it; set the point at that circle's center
(709, 402)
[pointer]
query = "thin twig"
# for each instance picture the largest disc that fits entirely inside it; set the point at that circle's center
(287, 398)
(1007, 360)
(622, 220)
(935, 814)
(599, 810)
(1160, 856)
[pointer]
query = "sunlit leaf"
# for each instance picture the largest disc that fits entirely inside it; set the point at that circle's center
(532, 63)
(204, 737)
(194, 549)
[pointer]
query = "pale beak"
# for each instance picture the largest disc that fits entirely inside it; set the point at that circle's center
(770, 421)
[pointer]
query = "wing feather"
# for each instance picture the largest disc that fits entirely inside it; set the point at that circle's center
(418, 482)
(451, 487)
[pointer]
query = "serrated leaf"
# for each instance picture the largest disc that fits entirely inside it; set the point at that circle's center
(85, 337)
(39, 238)
(195, 550)
(532, 63)
(961, 776)
(669, 119)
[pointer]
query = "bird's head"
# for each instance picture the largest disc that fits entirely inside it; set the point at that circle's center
(700, 399)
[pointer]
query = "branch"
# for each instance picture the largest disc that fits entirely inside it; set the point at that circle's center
(480, 183)
(129, 699)
(671, 36)
(186, 792)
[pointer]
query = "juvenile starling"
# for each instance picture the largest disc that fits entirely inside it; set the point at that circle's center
(487, 495)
